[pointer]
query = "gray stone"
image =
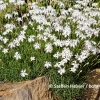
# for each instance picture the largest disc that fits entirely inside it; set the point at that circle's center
(37, 89)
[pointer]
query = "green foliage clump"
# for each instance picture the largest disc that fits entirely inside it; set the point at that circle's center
(60, 40)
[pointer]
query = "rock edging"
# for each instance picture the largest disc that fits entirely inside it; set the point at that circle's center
(37, 89)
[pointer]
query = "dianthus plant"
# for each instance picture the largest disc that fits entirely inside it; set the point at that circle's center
(53, 40)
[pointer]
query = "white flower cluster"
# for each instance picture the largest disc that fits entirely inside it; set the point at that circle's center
(2, 5)
(16, 41)
(9, 28)
(62, 32)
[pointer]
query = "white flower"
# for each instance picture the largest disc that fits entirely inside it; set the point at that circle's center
(57, 65)
(61, 5)
(48, 48)
(61, 71)
(61, 63)
(10, 30)
(79, 58)
(19, 19)
(39, 36)
(77, 6)
(15, 13)
(52, 37)
(58, 28)
(40, 27)
(66, 31)
(22, 36)
(30, 23)
(66, 42)
(84, 54)
(11, 44)
(73, 43)
(10, 26)
(20, 2)
(64, 12)
(31, 38)
(66, 54)
(94, 4)
(64, 60)
(24, 27)
(1, 1)
(32, 58)
(94, 50)
(58, 43)
(16, 42)
(70, 9)
(36, 45)
(1, 38)
(5, 51)
(57, 55)
(12, 1)
(88, 45)
(73, 69)
(2, 6)
(8, 16)
(5, 32)
(17, 56)
(44, 38)
(23, 73)
(47, 64)
(75, 64)
(5, 40)
(24, 16)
